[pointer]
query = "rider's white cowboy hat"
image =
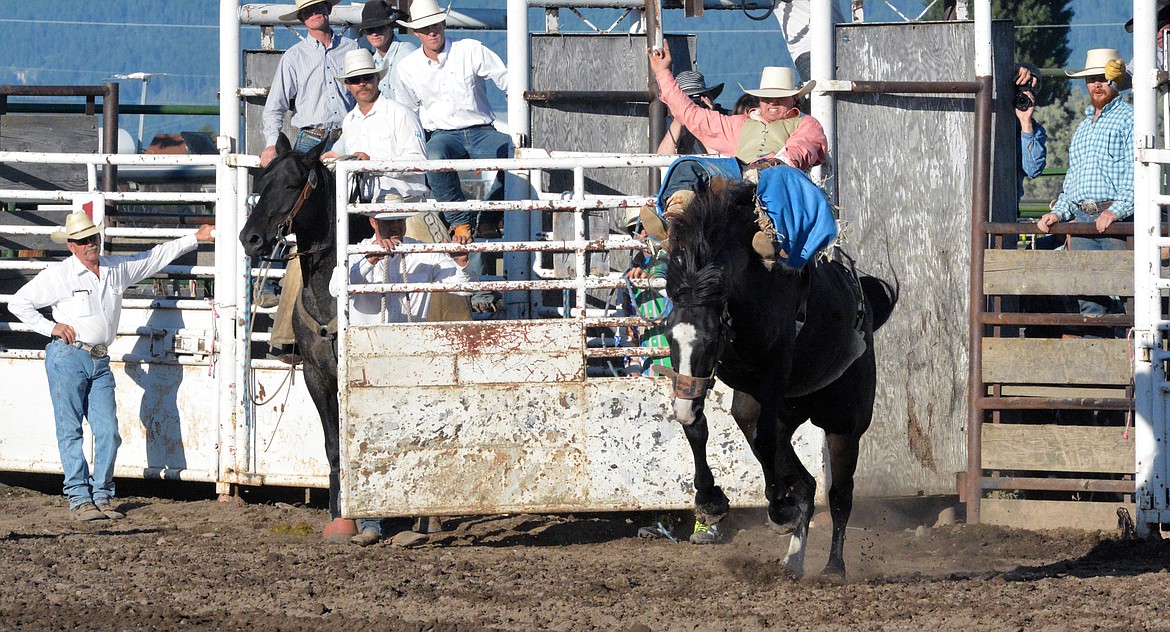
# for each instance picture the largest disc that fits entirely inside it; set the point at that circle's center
(301, 4)
(1095, 61)
(779, 81)
(360, 62)
(77, 226)
(424, 13)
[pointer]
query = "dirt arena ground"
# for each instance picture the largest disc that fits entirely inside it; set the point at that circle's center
(190, 562)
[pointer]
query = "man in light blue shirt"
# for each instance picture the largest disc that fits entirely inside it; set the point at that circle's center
(306, 82)
(377, 26)
(1099, 184)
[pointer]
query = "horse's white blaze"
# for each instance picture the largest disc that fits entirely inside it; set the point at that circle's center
(684, 337)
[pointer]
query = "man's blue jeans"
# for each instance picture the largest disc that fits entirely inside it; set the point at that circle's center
(481, 141)
(305, 142)
(81, 385)
(1097, 305)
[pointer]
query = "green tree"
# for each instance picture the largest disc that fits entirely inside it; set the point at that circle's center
(1042, 28)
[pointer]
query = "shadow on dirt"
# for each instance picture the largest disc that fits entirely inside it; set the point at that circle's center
(1109, 558)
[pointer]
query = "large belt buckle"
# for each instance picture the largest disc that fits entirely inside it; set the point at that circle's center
(1090, 207)
(98, 351)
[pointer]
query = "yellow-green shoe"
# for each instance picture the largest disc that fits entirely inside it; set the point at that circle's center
(706, 534)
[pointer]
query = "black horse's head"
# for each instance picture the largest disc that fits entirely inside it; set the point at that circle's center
(284, 188)
(710, 247)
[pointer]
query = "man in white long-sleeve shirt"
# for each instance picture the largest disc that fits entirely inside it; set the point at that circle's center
(373, 309)
(85, 294)
(389, 231)
(445, 82)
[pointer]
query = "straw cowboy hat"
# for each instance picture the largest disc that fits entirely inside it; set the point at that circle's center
(424, 13)
(693, 84)
(377, 13)
(77, 226)
(301, 4)
(360, 62)
(1095, 61)
(779, 81)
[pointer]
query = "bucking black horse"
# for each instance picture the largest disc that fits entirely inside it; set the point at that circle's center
(794, 344)
(296, 196)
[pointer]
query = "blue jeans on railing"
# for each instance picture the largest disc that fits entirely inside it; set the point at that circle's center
(83, 386)
(480, 141)
(1097, 305)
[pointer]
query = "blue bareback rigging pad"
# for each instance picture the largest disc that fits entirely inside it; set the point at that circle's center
(799, 211)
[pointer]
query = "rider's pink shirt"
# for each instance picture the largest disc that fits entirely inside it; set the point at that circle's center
(806, 147)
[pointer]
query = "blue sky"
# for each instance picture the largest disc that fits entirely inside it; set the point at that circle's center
(88, 42)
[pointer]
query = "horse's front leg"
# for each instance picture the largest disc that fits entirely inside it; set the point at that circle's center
(711, 504)
(322, 388)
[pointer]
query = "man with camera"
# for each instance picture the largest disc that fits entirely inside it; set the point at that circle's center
(1033, 138)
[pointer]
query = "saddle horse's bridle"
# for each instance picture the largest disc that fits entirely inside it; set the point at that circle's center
(689, 386)
(285, 228)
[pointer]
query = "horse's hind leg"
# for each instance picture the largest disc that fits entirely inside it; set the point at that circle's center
(843, 450)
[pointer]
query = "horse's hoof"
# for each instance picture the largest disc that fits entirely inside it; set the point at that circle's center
(785, 519)
(834, 571)
(341, 529)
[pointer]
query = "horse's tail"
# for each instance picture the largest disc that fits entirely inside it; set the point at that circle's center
(881, 297)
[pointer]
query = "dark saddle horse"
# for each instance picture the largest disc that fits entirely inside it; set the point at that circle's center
(296, 196)
(794, 344)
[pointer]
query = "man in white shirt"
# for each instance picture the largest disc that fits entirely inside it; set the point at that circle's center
(445, 82)
(389, 231)
(373, 309)
(85, 294)
(379, 129)
(377, 25)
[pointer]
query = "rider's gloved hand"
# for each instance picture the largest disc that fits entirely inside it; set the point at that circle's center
(1116, 75)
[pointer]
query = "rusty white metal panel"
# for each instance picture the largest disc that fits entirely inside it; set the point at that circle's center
(164, 417)
(501, 352)
(27, 436)
(282, 443)
(596, 445)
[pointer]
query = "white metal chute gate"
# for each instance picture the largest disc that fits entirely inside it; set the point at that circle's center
(501, 415)
(1151, 321)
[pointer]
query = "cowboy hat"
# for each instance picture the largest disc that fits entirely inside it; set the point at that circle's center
(1163, 15)
(394, 215)
(693, 84)
(1095, 61)
(424, 13)
(360, 62)
(377, 13)
(301, 4)
(779, 81)
(77, 226)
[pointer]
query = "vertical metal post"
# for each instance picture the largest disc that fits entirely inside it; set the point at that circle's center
(341, 201)
(822, 62)
(1152, 481)
(657, 107)
(110, 134)
(230, 356)
(516, 223)
(980, 214)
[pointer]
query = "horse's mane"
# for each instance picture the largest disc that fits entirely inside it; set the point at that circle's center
(710, 243)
